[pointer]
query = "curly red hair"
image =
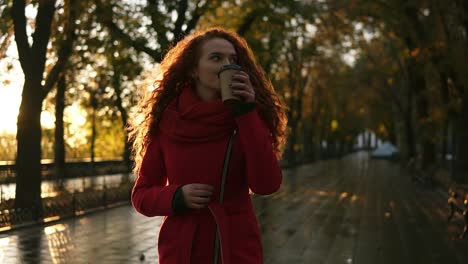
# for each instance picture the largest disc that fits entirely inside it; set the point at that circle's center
(174, 72)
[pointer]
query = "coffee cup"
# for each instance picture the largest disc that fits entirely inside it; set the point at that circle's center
(225, 79)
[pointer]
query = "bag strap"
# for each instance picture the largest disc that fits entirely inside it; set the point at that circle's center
(227, 158)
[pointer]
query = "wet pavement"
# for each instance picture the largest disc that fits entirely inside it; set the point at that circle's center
(353, 210)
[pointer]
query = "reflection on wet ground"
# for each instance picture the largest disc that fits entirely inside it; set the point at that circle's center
(118, 235)
(353, 210)
(357, 210)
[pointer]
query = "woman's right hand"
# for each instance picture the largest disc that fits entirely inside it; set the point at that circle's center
(196, 195)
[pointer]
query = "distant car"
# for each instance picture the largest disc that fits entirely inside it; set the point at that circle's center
(385, 151)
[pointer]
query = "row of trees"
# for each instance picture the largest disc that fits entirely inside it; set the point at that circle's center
(418, 62)
(392, 66)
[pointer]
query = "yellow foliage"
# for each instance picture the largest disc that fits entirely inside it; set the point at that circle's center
(382, 129)
(334, 125)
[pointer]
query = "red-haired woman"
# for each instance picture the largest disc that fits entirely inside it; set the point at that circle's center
(181, 143)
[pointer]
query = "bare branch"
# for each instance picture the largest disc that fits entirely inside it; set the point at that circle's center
(105, 16)
(197, 13)
(21, 37)
(183, 5)
(41, 35)
(158, 24)
(65, 49)
(247, 22)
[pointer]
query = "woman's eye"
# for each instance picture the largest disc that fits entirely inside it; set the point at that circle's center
(215, 57)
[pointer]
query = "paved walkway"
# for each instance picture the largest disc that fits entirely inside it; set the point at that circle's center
(353, 210)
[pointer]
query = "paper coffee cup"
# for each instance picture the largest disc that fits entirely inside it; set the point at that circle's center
(225, 78)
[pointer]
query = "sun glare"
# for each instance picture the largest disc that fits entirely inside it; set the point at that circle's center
(11, 83)
(11, 87)
(47, 120)
(76, 117)
(10, 99)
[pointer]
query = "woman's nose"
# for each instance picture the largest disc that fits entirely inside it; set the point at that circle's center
(229, 61)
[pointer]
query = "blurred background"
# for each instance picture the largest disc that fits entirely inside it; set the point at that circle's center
(355, 74)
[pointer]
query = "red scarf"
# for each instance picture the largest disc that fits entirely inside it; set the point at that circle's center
(190, 119)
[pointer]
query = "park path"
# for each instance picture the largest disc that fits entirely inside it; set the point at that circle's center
(352, 210)
(358, 210)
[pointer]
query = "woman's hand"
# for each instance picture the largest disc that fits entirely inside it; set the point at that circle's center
(197, 196)
(242, 87)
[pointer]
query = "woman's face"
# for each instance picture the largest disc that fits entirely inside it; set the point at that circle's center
(214, 53)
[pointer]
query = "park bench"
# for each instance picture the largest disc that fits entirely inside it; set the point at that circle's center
(458, 205)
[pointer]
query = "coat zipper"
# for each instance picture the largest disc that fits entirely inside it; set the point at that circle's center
(219, 236)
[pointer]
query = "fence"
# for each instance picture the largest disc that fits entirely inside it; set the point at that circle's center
(71, 170)
(64, 205)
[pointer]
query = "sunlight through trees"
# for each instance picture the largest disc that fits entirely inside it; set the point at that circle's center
(394, 68)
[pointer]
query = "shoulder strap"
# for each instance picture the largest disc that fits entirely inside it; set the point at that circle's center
(227, 158)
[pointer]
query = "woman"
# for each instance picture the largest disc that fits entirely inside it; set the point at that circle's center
(180, 146)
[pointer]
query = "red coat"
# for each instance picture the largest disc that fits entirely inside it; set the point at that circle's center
(180, 155)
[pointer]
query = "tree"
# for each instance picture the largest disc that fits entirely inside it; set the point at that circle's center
(154, 19)
(431, 42)
(59, 140)
(33, 61)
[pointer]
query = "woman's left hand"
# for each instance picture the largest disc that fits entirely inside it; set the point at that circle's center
(242, 87)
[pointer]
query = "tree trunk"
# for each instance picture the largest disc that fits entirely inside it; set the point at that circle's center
(461, 164)
(309, 155)
(28, 161)
(427, 144)
(453, 147)
(418, 84)
(123, 114)
(93, 131)
(409, 129)
(444, 92)
(32, 60)
(59, 144)
(296, 84)
(289, 152)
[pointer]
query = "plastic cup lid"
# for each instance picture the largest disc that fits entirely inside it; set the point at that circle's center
(229, 67)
